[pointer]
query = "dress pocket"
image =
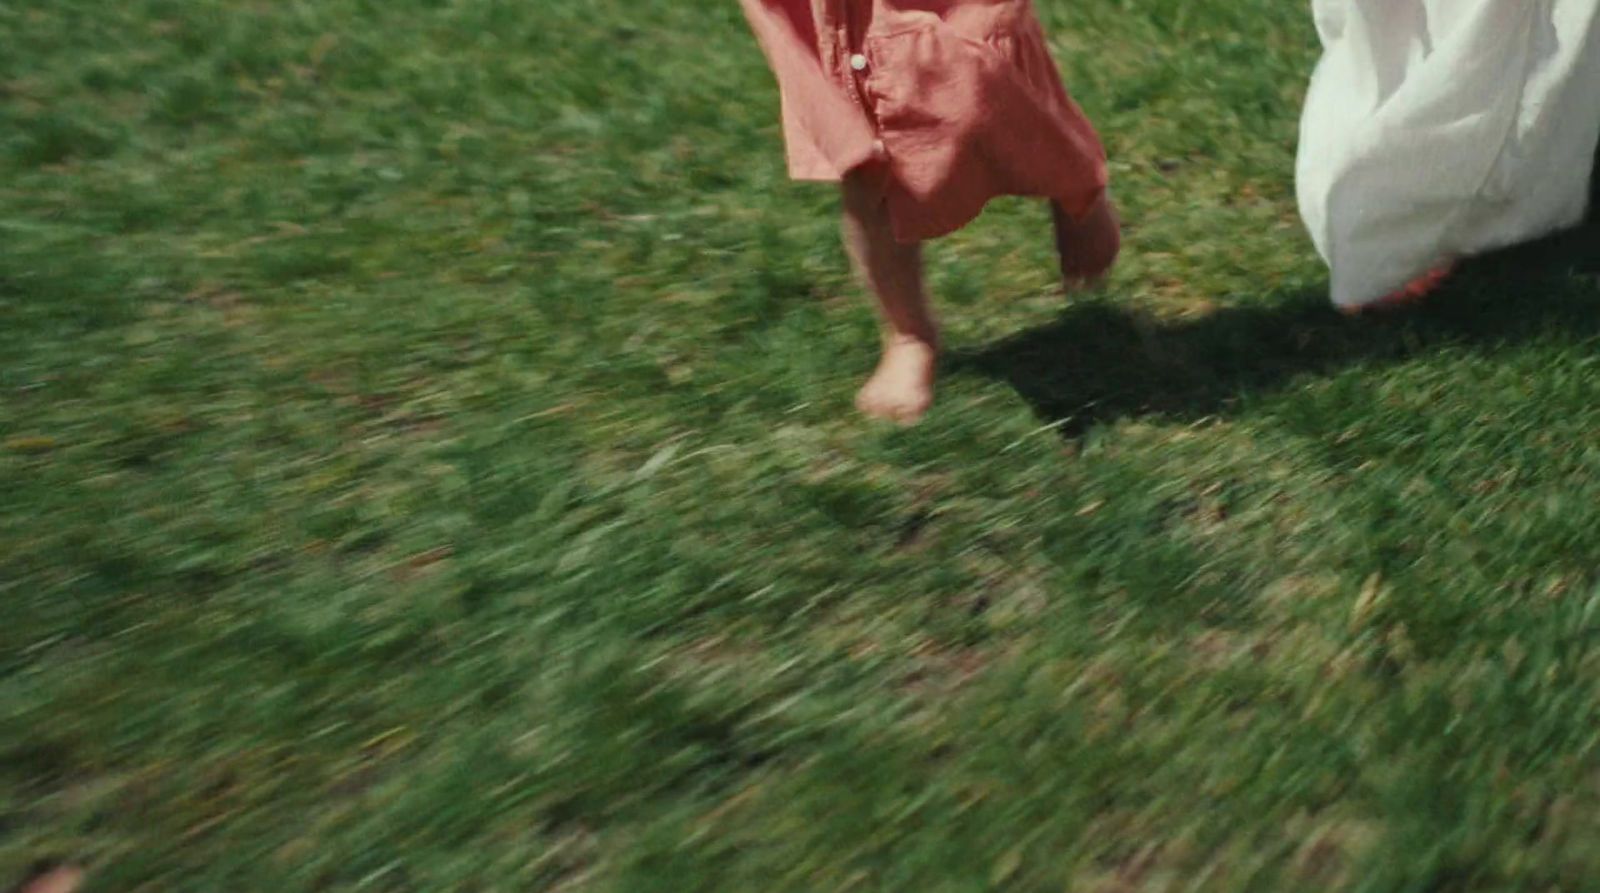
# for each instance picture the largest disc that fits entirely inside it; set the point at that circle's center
(928, 77)
(973, 109)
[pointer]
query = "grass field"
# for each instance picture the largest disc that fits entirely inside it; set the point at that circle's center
(426, 464)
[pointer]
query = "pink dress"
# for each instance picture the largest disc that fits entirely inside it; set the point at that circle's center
(953, 101)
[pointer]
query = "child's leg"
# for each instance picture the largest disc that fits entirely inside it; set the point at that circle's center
(902, 387)
(1087, 245)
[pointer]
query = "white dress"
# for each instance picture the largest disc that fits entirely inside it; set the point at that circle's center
(1436, 129)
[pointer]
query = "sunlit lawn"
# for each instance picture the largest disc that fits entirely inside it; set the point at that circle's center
(426, 464)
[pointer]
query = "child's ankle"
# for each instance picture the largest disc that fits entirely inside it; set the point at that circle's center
(928, 340)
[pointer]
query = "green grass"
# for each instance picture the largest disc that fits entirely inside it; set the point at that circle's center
(427, 465)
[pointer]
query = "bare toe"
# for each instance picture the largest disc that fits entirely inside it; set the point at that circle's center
(901, 389)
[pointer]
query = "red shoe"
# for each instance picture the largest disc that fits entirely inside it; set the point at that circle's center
(1410, 294)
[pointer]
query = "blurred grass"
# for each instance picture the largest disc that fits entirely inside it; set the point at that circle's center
(427, 465)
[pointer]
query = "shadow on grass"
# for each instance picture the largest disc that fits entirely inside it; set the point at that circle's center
(1099, 362)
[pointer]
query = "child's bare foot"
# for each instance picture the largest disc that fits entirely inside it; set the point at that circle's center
(59, 879)
(1088, 245)
(1413, 292)
(901, 389)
